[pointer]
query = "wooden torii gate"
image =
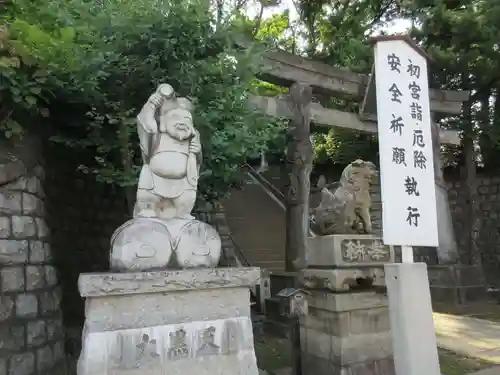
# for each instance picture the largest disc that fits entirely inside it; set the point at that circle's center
(305, 77)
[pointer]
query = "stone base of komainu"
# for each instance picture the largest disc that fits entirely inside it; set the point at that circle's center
(168, 322)
(150, 243)
(343, 262)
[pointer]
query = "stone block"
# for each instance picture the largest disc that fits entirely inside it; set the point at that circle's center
(343, 279)
(50, 275)
(34, 186)
(10, 202)
(134, 311)
(441, 275)
(35, 277)
(32, 205)
(346, 334)
(374, 320)
(12, 279)
(329, 322)
(54, 329)
(469, 275)
(26, 305)
(5, 231)
(39, 172)
(471, 294)
(12, 251)
(42, 228)
(456, 284)
(23, 226)
(216, 347)
(57, 294)
(347, 251)
(346, 350)
(346, 301)
(313, 365)
(36, 333)
(6, 307)
(44, 358)
(21, 184)
(37, 252)
(47, 250)
(12, 337)
(58, 351)
(22, 364)
(201, 322)
(47, 303)
(107, 284)
(346, 323)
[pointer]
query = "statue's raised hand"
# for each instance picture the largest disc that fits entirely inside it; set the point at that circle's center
(156, 99)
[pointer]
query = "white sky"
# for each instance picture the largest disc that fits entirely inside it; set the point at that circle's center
(395, 27)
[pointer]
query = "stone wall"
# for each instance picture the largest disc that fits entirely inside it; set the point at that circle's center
(31, 330)
(489, 208)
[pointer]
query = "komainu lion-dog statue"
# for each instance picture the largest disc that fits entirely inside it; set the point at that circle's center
(345, 205)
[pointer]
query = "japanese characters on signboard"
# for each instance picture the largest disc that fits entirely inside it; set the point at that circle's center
(405, 144)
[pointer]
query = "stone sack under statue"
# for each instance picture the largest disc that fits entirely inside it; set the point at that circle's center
(162, 233)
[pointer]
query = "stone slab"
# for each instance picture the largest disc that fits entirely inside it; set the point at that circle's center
(350, 250)
(313, 365)
(347, 323)
(342, 279)
(216, 347)
(107, 284)
(346, 350)
(346, 334)
(155, 309)
(346, 301)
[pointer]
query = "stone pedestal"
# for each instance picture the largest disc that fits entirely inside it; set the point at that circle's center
(346, 331)
(168, 322)
(346, 334)
(345, 262)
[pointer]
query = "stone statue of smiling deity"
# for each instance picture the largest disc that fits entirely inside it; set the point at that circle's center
(162, 233)
(171, 152)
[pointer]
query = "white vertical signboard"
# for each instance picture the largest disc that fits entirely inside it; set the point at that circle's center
(405, 144)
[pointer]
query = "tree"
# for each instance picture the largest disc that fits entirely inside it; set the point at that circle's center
(115, 54)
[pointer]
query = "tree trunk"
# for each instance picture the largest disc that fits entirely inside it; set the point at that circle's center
(299, 166)
(474, 222)
(487, 139)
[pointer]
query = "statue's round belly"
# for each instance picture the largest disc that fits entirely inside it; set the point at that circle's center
(169, 164)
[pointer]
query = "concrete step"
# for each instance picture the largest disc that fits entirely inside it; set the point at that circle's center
(257, 225)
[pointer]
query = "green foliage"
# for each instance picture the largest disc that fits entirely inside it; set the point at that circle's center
(343, 146)
(103, 61)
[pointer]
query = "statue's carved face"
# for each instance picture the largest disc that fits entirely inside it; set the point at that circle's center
(360, 170)
(179, 124)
